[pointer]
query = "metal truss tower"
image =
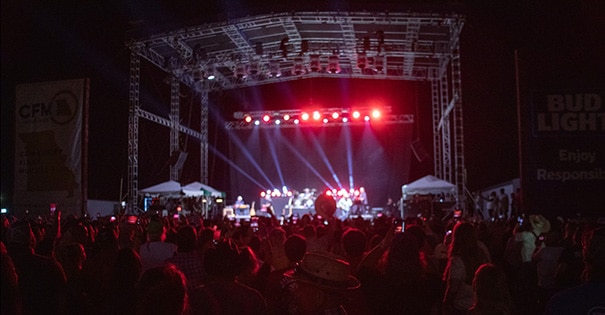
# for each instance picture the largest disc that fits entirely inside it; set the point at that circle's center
(265, 49)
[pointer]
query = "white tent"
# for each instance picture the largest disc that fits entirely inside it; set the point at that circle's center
(198, 189)
(428, 185)
(166, 188)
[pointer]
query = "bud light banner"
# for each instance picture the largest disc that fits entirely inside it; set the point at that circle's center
(563, 155)
(50, 147)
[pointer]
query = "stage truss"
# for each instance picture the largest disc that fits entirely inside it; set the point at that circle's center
(272, 48)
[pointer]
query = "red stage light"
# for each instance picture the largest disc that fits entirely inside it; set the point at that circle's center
(316, 115)
(305, 116)
(335, 115)
(266, 118)
(356, 114)
(263, 194)
(248, 119)
(286, 117)
(376, 114)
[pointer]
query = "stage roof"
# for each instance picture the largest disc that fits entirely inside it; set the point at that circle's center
(253, 50)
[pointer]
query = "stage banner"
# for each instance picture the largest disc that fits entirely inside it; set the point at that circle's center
(51, 136)
(562, 136)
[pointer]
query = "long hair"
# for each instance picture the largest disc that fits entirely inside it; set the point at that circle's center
(465, 244)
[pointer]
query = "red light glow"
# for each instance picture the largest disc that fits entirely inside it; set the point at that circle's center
(375, 113)
(356, 114)
(248, 119)
(316, 115)
(305, 116)
(266, 118)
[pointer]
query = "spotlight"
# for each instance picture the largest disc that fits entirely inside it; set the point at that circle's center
(325, 120)
(366, 118)
(274, 69)
(248, 118)
(361, 61)
(305, 116)
(263, 194)
(356, 114)
(335, 115)
(277, 121)
(256, 122)
(333, 64)
(345, 119)
(379, 63)
(254, 68)
(376, 114)
(316, 115)
(286, 117)
(240, 71)
(266, 118)
(314, 63)
(298, 68)
(296, 121)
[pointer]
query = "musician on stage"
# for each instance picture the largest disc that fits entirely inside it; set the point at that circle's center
(344, 204)
(361, 203)
(239, 205)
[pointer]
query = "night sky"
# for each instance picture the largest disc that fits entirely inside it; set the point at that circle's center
(57, 40)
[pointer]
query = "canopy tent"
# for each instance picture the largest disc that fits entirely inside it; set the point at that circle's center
(196, 189)
(166, 188)
(428, 185)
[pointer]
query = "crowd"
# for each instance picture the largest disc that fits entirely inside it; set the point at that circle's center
(188, 265)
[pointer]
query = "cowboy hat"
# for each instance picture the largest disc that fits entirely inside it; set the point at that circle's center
(324, 270)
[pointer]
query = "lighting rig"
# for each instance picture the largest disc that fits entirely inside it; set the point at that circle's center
(316, 117)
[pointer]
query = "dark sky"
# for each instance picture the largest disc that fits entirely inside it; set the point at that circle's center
(56, 40)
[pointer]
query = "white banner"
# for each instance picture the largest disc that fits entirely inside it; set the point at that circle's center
(50, 139)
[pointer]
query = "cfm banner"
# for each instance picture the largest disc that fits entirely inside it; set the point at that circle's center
(51, 128)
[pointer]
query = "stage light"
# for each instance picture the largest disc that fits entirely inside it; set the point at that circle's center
(298, 68)
(286, 117)
(316, 115)
(345, 119)
(254, 67)
(274, 69)
(314, 63)
(333, 64)
(335, 115)
(376, 114)
(263, 194)
(277, 121)
(240, 71)
(256, 122)
(356, 114)
(305, 116)
(379, 63)
(296, 121)
(266, 118)
(248, 119)
(366, 118)
(325, 120)
(361, 61)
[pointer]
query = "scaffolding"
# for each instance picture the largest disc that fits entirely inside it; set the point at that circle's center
(266, 49)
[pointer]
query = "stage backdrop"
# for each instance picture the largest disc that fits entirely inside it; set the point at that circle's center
(51, 136)
(562, 132)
